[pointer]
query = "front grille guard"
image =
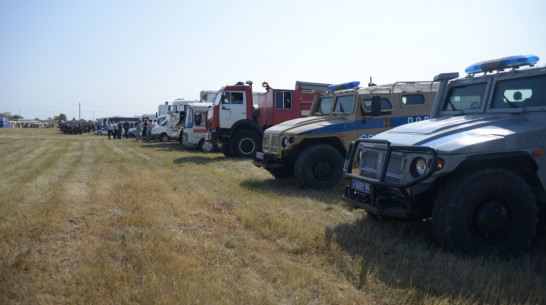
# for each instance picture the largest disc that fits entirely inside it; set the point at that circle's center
(347, 168)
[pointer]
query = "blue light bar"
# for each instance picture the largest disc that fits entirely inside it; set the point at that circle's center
(503, 63)
(348, 85)
(239, 84)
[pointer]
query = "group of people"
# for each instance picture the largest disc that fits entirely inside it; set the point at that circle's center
(142, 129)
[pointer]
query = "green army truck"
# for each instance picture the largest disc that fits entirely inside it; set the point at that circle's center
(476, 168)
(313, 148)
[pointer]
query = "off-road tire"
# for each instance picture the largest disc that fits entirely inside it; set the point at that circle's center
(164, 138)
(491, 211)
(226, 150)
(245, 144)
(319, 167)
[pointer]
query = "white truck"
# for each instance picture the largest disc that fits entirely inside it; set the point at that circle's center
(163, 109)
(175, 119)
(195, 128)
(207, 96)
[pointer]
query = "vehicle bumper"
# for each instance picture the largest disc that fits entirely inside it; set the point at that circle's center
(379, 195)
(363, 201)
(268, 162)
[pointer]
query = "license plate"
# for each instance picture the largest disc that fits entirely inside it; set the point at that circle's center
(259, 155)
(361, 186)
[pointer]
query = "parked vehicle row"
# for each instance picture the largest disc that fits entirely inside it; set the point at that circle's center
(466, 153)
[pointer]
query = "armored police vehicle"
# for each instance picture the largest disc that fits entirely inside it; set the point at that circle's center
(476, 167)
(312, 149)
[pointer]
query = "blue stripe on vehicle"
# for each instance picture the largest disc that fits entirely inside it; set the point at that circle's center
(369, 124)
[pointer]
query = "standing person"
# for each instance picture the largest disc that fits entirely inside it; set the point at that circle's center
(149, 131)
(144, 129)
(110, 128)
(138, 127)
(119, 129)
(126, 128)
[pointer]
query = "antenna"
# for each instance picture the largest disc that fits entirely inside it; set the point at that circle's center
(371, 84)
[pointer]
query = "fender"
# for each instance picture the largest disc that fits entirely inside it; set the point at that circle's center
(240, 125)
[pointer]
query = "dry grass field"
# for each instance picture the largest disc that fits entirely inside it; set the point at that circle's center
(87, 220)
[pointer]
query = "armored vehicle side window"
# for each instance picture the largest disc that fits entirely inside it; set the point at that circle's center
(324, 105)
(465, 97)
(521, 92)
(413, 99)
(283, 100)
(385, 104)
(344, 104)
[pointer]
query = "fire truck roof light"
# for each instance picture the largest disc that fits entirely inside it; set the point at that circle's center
(348, 85)
(239, 83)
(503, 63)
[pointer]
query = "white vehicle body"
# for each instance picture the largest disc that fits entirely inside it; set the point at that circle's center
(235, 109)
(160, 131)
(195, 126)
(175, 118)
(163, 109)
(207, 96)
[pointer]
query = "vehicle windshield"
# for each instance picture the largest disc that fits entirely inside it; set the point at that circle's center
(324, 105)
(344, 104)
(465, 97)
(189, 116)
(522, 92)
(218, 97)
(160, 120)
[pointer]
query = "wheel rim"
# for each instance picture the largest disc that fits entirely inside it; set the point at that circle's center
(322, 170)
(492, 220)
(247, 146)
(206, 147)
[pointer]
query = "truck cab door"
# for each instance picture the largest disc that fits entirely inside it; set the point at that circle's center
(232, 108)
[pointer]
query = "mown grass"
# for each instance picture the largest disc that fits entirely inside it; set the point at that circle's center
(85, 220)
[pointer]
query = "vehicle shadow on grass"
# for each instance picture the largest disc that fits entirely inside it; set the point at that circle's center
(404, 255)
(205, 159)
(164, 146)
(289, 186)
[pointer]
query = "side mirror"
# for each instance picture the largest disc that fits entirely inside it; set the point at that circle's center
(376, 105)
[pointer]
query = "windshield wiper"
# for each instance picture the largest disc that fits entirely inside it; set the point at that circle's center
(510, 103)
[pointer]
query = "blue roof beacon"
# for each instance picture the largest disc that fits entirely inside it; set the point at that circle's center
(348, 85)
(502, 63)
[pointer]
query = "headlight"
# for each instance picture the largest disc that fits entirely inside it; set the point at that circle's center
(287, 141)
(284, 142)
(420, 166)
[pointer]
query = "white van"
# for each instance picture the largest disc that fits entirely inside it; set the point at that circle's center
(195, 127)
(160, 131)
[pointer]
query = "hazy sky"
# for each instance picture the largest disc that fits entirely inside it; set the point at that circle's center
(127, 57)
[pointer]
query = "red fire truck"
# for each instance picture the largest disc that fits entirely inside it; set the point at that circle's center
(236, 122)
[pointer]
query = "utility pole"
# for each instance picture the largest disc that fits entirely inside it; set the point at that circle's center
(79, 111)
